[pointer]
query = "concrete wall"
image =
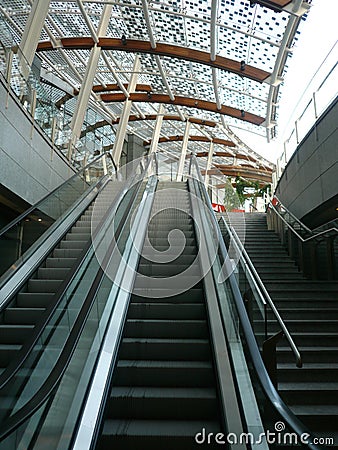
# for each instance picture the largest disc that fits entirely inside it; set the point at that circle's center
(311, 176)
(26, 165)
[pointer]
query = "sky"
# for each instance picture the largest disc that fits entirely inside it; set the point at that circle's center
(318, 35)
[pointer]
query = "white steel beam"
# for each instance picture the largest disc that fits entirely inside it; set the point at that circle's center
(157, 129)
(213, 29)
(122, 126)
(209, 162)
(183, 151)
(87, 83)
(31, 34)
(88, 21)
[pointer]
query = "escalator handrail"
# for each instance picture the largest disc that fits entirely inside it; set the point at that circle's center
(32, 208)
(15, 365)
(313, 236)
(269, 389)
(51, 383)
(263, 293)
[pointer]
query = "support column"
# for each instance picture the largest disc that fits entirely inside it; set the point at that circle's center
(210, 155)
(184, 151)
(122, 126)
(88, 80)
(157, 129)
(31, 34)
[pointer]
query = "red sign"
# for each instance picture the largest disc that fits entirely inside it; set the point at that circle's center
(218, 208)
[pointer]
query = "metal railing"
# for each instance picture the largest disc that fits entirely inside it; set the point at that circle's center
(315, 253)
(258, 289)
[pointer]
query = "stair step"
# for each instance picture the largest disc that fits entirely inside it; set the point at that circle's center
(43, 286)
(60, 262)
(14, 334)
(184, 403)
(164, 349)
(53, 273)
(168, 270)
(22, 316)
(192, 311)
(164, 373)
(178, 329)
(73, 244)
(67, 253)
(34, 299)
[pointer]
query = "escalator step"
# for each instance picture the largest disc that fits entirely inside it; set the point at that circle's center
(164, 373)
(22, 316)
(164, 349)
(43, 286)
(178, 329)
(52, 273)
(34, 300)
(60, 262)
(192, 311)
(182, 403)
(155, 434)
(67, 253)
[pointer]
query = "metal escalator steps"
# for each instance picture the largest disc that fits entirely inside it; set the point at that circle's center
(186, 260)
(169, 310)
(167, 270)
(14, 334)
(165, 349)
(53, 273)
(34, 300)
(162, 373)
(183, 281)
(153, 295)
(67, 253)
(148, 250)
(7, 351)
(22, 316)
(73, 244)
(155, 434)
(149, 402)
(43, 286)
(60, 262)
(166, 328)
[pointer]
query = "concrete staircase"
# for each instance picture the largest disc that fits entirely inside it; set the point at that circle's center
(164, 388)
(310, 311)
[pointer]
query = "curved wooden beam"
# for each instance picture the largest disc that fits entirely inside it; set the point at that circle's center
(227, 155)
(172, 51)
(246, 172)
(192, 138)
(188, 102)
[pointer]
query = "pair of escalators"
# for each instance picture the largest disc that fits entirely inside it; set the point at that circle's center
(172, 381)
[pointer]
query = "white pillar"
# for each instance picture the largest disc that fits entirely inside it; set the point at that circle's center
(87, 83)
(31, 34)
(157, 129)
(210, 155)
(122, 126)
(183, 152)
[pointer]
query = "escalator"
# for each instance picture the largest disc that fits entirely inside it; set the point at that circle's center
(164, 387)
(26, 310)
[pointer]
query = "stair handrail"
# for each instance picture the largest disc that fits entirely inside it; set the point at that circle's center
(287, 211)
(265, 381)
(23, 215)
(314, 236)
(263, 293)
(53, 379)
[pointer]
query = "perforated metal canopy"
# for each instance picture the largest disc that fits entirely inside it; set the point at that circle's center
(216, 63)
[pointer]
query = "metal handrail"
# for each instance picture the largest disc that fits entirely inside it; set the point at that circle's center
(264, 295)
(308, 230)
(36, 205)
(314, 236)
